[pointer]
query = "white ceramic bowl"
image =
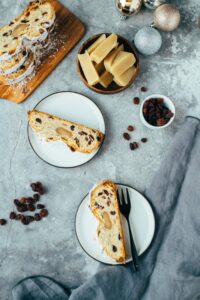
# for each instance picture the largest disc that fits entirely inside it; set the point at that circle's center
(169, 104)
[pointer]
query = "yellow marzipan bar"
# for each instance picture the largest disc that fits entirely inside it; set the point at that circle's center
(88, 68)
(123, 61)
(124, 79)
(104, 48)
(106, 79)
(111, 56)
(100, 68)
(96, 43)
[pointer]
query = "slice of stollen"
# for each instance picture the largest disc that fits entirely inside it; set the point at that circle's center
(12, 65)
(104, 206)
(32, 25)
(22, 73)
(77, 137)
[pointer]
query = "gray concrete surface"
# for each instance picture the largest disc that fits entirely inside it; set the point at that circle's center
(50, 247)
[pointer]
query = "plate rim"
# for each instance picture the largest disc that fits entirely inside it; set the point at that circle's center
(120, 264)
(60, 167)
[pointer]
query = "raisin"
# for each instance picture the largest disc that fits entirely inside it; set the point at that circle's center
(25, 220)
(18, 217)
(5, 34)
(112, 213)
(34, 187)
(16, 202)
(30, 200)
(161, 122)
(144, 140)
(41, 30)
(44, 13)
(106, 192)
(11, 23)
(30, 219)
(72, 127)
(12, 215)
(99, 194)
(3, 222)
(134, 145)
(98, 138)
(23, 200)
(114, 248)
(40, 206)
(24, 53)
(119, 237)
(37, 217)
(108, 203)
(31, 207)
(36, 197)
(24, 21)
(43, 213)
(130, 128)
(143, 89)
(5, 46)
(15, 38)
(36, 20)
(126, 136)
(136, 100)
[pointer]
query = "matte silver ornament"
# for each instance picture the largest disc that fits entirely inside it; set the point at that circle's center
(153, 4)
(148, 40)
(166, 17)
(128, 7)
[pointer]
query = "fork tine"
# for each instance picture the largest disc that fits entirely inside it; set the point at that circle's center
(128, 197)
(118, 197)
(123, 198)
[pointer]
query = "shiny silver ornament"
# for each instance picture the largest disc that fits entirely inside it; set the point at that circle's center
(128, 8)
(148, 40)
(153, 4)
(166, 17)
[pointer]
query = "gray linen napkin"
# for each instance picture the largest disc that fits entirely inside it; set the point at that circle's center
(170, 269)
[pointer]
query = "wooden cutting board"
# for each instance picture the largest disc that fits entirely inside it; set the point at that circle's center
(68, 31)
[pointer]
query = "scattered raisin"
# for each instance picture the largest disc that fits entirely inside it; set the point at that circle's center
(119, 237)
(126, 136)
(106, 192)
(136, 100)
(3, 222)
(43, 213)
(40, 206)
(25, 220)
(31, 207)
(37, 217)
(36, 197)
(130, 128)
(72, 127)
(144, 140)
(143, 89)
(12, 215)
(23, 200)
(134, 145)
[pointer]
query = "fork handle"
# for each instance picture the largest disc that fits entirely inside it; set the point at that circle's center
(133, 248)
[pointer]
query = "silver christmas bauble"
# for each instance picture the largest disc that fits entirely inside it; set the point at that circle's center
(148, 40)
(153, 4)
(167, 17)
(128, 7)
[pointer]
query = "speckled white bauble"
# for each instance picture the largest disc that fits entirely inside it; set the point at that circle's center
(148, 40)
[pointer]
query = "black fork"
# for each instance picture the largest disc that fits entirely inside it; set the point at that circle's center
(125, 208)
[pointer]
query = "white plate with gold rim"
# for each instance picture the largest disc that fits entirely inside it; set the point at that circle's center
(73, 107)
(142, 224)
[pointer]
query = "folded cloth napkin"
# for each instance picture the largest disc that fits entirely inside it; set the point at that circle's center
(170, 269)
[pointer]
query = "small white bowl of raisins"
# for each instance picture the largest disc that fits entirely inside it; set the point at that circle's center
(157, 111)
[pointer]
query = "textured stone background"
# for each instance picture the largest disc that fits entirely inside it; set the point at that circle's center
(50, 247)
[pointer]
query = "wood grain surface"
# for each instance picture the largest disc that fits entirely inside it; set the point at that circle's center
(68, 31)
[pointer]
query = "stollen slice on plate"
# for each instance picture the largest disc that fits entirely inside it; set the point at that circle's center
(104, 206)
(76, 136)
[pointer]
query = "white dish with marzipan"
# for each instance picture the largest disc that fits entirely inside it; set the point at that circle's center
(103, 236)
(63, 135)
